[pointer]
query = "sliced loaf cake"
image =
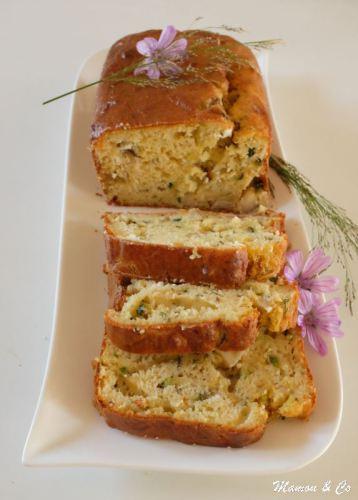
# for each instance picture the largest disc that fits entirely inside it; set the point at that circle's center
(202, 143)
(195, 398)
(155, 317)
(196, 246)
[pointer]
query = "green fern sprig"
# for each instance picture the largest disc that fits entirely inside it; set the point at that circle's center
(334, 230)
(219, 56)
(264, 44)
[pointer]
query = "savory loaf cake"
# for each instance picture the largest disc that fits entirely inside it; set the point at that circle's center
(276, 300)
(201, 142)
(196, 246)
(195, 399)
(154, 317)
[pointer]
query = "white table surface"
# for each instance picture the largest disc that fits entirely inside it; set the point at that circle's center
(314, 81)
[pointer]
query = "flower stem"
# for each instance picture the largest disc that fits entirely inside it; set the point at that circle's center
(113, 77)
(264, 44)
(72, 91)
(334, 230)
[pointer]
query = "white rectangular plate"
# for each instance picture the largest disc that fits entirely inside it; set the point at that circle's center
(66, 429)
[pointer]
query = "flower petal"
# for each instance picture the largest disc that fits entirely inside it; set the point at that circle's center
(148, 67)
(317, 299)
(327, 318)
(333, 332)
(305, 302)
(153, 72)
(147, 46)
(316, 341)
(169, 68)
(166, 37)
(143, 68)
(329, 325)
(328, 309)
(294, 264)
(323, 284)
(301, 321)
(140, 70)
(316, 317)
(303, 329)
(176, 50)
(316, 262)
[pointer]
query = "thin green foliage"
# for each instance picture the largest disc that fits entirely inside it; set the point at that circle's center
(264, 44)
(219, 57)
(334, 230)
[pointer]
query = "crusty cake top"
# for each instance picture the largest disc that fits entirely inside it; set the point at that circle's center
(234, 99)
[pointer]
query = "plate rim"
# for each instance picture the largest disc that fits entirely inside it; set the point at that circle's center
(34, 459)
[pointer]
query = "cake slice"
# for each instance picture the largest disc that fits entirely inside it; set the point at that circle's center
(194, 398)
(154, 317)
(200, 142)
(276, 300)
(196, 246)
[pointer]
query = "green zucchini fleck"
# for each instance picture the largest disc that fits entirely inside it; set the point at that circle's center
(140, 309)
(202, 396)
(165, 382)
(274, 361)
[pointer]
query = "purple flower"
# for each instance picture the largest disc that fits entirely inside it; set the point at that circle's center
(160, 54)
(316, 318)
(306, 273)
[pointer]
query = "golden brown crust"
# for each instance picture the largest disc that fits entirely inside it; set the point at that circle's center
(163, 427)
(278, 219)
(183, 338)
(256, 268)
(224, 267)
(310, 402)
(195, 432)
(117, 283)
(183, 103)
(175, 338)
(232, 97)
